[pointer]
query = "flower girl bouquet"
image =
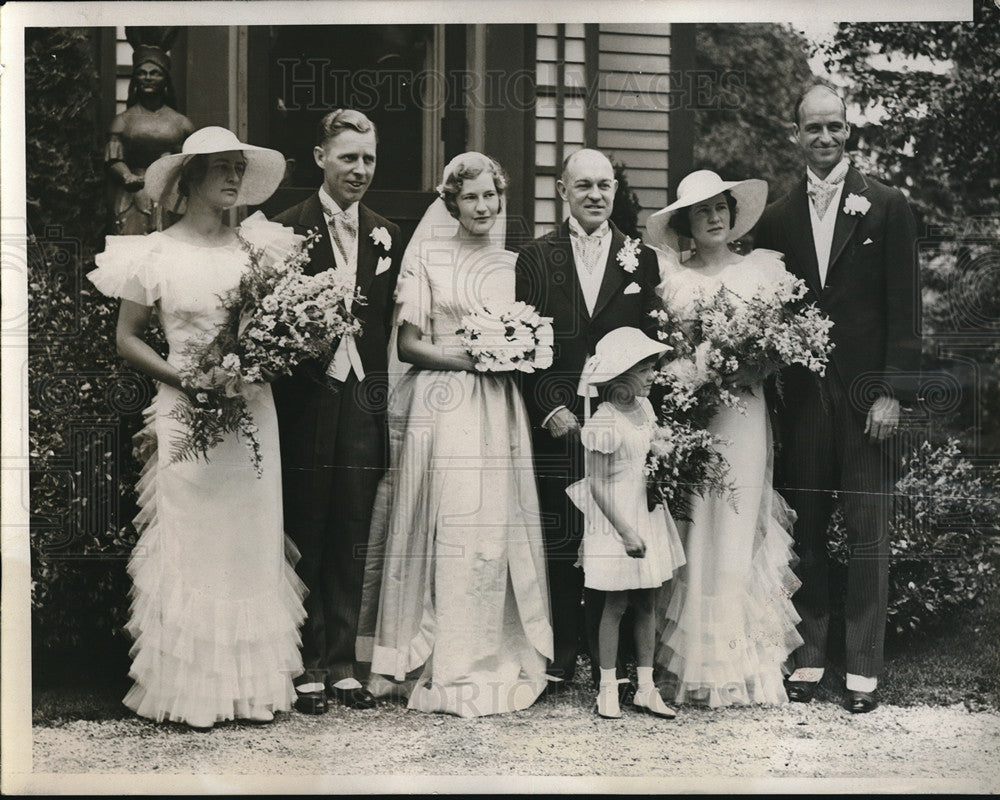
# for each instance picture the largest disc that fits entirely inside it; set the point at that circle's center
(683, 458)
(508, 337)
(275, 318)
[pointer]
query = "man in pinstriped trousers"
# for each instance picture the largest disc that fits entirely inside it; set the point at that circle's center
(852, 239)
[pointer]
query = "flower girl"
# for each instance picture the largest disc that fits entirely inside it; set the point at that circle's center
(628, 551)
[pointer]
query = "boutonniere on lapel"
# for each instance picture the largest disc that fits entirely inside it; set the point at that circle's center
(856, 204)
(628, 256)
(381, 236)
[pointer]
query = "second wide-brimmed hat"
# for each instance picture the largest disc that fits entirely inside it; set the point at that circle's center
(701, 185)
(265, 167)
(616, 352)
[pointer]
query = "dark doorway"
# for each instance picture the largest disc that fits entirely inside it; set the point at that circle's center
(300, 72)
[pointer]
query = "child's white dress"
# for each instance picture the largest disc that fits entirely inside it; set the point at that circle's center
(606, 565)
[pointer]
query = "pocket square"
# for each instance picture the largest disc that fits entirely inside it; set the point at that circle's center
(383, 265)
(632, 288)
(867, 241)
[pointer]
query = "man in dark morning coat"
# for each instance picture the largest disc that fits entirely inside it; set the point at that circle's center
(852, 239)
(583, 277)
(331, 417)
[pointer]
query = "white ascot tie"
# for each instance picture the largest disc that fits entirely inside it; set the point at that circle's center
(344, 235)
(588, 246)
(821, 192)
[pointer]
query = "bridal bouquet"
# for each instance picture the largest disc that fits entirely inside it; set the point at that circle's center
(275, 318)
(759, 336)
(508, 337)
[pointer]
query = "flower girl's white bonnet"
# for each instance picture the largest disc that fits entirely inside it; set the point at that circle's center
(616, 352)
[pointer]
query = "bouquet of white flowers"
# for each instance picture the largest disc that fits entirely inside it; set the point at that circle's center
(508, 337)
(275, 318)
(761, 335)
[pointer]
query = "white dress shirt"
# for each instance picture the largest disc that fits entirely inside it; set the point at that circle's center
(823, 228)
(590, 282)
(346, 357)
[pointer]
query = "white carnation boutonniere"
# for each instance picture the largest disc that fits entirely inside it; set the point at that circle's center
(381, 236)
(856, 204)
(628, 256)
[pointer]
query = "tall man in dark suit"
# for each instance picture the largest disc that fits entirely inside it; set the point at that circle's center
(331, 417)
(590, 281)
(852, 239)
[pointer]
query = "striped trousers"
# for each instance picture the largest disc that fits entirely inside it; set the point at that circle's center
(824, 449)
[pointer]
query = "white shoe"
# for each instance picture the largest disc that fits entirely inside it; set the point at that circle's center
(260, 713)
(607, 701)
(200, 722)
(651, 702)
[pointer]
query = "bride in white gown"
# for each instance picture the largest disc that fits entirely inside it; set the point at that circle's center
(730, 622)
(455, 607)
(215, 604)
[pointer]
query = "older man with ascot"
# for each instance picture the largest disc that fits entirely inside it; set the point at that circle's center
(590, 279)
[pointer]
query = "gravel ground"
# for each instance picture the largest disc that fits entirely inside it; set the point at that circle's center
(556, 737)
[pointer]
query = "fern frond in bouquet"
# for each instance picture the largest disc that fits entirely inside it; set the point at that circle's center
(275, 318)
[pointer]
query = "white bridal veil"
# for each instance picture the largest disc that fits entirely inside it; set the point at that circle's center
(439, 230)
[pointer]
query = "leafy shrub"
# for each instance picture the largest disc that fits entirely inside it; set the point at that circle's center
(944, 548)
(626, 207)
(83, 403)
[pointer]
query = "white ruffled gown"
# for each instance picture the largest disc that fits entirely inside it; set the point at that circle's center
(455, 607)
(216, 605)
(730, 622)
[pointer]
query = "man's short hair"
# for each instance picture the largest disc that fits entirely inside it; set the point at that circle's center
(342, 119)
(811, 87)
(574, 154)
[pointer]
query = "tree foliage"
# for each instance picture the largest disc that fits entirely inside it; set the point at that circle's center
(747, 133)
(940, 133)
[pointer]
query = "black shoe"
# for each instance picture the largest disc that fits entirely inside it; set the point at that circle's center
(801, 691)
(359, 698)
(861, 702)
(310, 702)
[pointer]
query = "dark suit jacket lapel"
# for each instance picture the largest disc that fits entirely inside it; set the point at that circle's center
(368, 252)
(321, 256)
(801, 234)
(614, 273)
(563, 264)
(854, 183)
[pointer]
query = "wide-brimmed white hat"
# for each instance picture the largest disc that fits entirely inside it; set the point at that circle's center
(616, 352)
(751, 197)
(265, 167)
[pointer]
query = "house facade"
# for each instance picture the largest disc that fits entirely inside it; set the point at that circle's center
(526, 94)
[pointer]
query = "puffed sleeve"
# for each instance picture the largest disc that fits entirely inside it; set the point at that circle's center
(129, 268)
(276, 240)
(770, 265)
(600, 434)
(413, 294)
